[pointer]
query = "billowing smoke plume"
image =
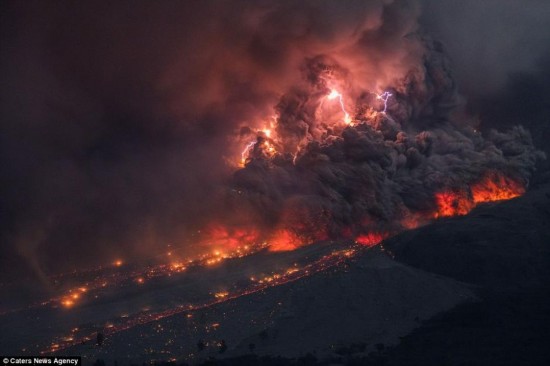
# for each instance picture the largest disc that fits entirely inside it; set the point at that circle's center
(384, 171)
(123, 126)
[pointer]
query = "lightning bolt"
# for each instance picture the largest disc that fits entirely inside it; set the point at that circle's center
(384, 96)
(246, 151)
(336, 94)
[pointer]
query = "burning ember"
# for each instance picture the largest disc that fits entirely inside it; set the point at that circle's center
(333, 259)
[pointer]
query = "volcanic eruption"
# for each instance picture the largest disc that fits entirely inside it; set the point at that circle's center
(398, 159)
(278, 122)
(211, 151)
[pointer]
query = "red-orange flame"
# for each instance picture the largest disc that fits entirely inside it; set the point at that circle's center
(492, 187)
(496, 187)
(371, 239)
(300, 227)
(231, 238)
(412, 221)
(452, 203)
(285, 240)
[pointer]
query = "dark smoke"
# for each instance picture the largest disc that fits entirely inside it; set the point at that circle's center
(372, 176)
(489, 40)
(119, 119)
(500, 55)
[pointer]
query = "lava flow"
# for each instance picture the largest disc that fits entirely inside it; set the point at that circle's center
(348, 148)
(301, 181)
(253, 284)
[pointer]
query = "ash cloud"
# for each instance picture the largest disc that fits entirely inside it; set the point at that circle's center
(489, 40)
(118, 121)
(499, 52)
(383, 170)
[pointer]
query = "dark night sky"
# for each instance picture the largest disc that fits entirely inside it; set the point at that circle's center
(115, 116)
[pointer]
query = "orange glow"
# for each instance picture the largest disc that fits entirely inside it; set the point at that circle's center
(246, 152)
(291, 270)
(347, 119)
(67, 303)
(492, 187)
(496, 187)
(140, 280)
(118, 263)
(413, 221)
(177, 267)
(331, 260)
(213, 261)
(269, 148)
(451, 203)
(371, 239)
(230, 238)
(284, 240)
(265, 146)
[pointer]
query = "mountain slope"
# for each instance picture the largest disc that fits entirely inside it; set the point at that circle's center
(503, 245)
(505, 250)
(371, 300)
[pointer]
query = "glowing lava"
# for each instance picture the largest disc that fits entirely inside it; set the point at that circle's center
(221, 295)
(67, 303)
(238, 242)
(336, 258)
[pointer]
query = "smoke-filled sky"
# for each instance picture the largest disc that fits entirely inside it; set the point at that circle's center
(122, 123)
